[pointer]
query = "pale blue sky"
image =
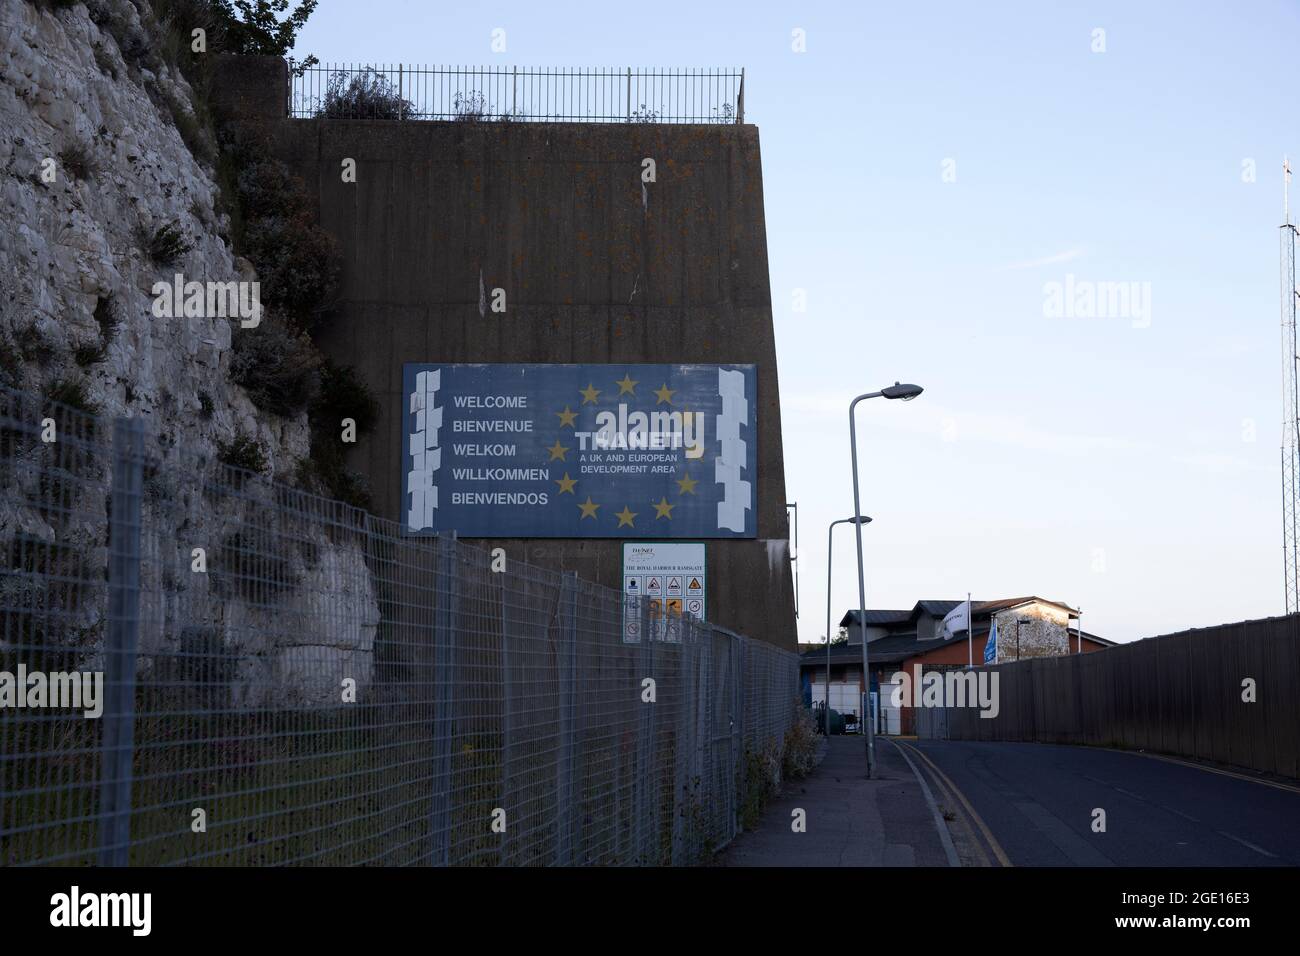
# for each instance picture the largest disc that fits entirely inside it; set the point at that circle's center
(1042, 445)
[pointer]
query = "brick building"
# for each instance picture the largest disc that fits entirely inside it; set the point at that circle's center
(901, 639)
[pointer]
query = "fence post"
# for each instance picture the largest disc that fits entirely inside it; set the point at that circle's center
(514, 92)
(444, 660)
(641, 782)
(118, 741)
(681, 737)
(401, 96)
(629, 94)
(740, 118)
(507, 801)
(564, 766)
(737, 717)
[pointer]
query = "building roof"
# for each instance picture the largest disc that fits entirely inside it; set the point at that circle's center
(885, 650)
(840, 654)
(876, 617)
(940, 608)
(981, 607)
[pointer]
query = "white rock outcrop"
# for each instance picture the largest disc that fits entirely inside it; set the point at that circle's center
(91, 161)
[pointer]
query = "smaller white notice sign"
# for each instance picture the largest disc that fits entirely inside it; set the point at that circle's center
(671, 576)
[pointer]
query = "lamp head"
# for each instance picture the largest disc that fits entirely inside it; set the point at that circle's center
(905, 392)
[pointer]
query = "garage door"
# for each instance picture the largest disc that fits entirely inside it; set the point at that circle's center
(844, 696)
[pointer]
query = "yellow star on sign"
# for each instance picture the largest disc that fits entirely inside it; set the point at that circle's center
(625, 517)
(566, 483)
(589, 394)
(568, 417)
(665, 394)
(686, 486)
(588, 508)
(557, 451)
(664, 510)
(626, 385)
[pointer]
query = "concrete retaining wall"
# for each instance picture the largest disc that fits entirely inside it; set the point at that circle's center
(596, 269)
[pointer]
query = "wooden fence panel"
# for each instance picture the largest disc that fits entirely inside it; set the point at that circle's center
(1177, 694)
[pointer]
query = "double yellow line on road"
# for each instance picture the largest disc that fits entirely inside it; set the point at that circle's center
(944, 781)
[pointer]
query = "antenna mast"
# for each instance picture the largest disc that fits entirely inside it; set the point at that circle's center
(1290, 405)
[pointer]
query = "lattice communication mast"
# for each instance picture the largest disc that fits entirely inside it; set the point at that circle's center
(1290, 405)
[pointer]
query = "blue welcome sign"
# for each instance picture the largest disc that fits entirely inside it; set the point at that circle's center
(580, 451)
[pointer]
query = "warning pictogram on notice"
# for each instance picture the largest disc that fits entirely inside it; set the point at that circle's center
(672, 576)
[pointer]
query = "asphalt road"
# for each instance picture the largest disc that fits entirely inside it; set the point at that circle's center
(1033, 805)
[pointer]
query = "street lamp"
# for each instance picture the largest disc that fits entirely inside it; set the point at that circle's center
(895, 391)
(830, 555)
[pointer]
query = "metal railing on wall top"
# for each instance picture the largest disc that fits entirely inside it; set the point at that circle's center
(517, 94)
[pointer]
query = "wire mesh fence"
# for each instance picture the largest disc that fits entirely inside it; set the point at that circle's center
(199, 665)
(517, 94)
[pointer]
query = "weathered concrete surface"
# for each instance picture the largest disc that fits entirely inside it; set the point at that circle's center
(595, 271)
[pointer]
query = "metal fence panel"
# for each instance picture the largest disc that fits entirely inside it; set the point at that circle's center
(291, 681)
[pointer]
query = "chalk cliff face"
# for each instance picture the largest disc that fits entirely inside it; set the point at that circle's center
(92, 165)
(74, 109)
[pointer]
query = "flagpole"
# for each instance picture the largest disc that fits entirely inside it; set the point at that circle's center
(970, 635)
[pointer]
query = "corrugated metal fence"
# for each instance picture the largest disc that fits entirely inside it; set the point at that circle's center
(1179, 694)
(287, 679)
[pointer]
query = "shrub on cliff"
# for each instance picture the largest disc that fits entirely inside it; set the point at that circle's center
(276, 365)
(342, 395)
(296, 260)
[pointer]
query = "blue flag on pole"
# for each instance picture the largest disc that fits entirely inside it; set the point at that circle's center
(991, 648)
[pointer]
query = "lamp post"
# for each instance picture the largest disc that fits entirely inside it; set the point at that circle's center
(895, 391)
(830, 555)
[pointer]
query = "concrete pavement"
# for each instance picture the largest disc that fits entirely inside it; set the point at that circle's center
(851, 821)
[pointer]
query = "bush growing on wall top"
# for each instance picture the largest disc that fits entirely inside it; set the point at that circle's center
(367, 95)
